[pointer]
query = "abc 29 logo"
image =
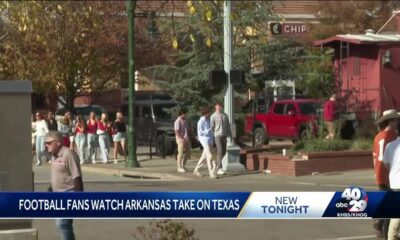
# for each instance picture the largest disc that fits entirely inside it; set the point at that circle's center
(353, 200)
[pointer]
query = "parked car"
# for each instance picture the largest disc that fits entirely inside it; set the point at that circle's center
(84, 110)
(285, 119)
(154, 120)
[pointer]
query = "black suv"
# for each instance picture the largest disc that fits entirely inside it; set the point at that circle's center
(153, 119)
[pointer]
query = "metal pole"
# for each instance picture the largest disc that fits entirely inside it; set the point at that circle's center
(232, 158)
(132, 160)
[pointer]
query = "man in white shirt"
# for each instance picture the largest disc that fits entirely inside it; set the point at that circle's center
(391, 159)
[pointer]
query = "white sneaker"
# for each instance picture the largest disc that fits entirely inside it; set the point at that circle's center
(82, 162)
(197, 173)
(93, 162)
(213, 176)
(115, 161)
(220, 172)
(181, 170)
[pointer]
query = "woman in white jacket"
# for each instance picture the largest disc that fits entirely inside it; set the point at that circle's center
(41, 130)
(206, 138)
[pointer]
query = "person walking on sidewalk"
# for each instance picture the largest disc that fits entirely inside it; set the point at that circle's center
(103, 127)
(391, 159)
(66, 176)
(222, 130)
(388, 132)
(206, 138)
(65, 126)
(51, 122)
(80, 137)
(92, 137)
(182, 140)
(119, 137)
(330, 115)
(41, 130)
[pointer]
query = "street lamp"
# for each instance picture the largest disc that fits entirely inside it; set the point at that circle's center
(231, 159)
(152, 32)
(132, 159)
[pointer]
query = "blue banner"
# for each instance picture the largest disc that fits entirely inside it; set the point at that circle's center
(122, 204)
(352, 202)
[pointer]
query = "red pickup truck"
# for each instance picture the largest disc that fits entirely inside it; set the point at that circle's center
(285, 119)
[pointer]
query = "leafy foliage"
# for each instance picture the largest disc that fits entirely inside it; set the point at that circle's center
(316, 74)
(164, 230)
(199, 48)
(362, 144)
(321, 145)
(341, 17)
(53, 44)
(71, 47)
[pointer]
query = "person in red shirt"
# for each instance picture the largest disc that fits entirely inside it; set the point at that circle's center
(330, 116)
(388, 125)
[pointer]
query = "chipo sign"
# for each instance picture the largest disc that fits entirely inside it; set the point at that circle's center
(288, 28)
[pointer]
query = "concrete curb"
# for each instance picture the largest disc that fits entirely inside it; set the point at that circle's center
(133, 173)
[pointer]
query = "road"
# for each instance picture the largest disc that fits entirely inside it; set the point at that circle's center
(221, 229)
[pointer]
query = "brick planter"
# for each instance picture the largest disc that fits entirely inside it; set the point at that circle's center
(309, 163)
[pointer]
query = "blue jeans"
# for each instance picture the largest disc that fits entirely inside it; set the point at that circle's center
(104, 142)
(92, 146)
(80, 140)
(66, 228)
(40, 148)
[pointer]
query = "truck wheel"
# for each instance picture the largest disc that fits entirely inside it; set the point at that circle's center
(168, 146)
(302, 135)
(260, 137)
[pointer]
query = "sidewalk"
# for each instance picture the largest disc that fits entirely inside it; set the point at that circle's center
(155, 168)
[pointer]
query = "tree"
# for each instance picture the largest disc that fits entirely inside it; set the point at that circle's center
(342, 17)
(198, 40)
(315, 74)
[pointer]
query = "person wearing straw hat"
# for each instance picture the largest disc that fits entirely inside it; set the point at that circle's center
(388, 124)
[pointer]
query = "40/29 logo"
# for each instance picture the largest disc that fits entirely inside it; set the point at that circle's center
(353, 200)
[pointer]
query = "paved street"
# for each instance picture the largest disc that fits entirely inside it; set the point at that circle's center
(96, 180)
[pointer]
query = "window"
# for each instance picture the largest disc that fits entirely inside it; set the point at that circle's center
(146, 112)
(290, 107)
(163, 111)
(308, 108)
(356, 66)
(279, 108)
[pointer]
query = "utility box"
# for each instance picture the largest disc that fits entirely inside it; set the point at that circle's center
(16, 147)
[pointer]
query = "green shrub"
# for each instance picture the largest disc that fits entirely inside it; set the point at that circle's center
(362, 144)
(164, 230)
(322, 145)
(367, 129)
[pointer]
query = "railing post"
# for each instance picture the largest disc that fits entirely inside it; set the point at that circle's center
(151, 143)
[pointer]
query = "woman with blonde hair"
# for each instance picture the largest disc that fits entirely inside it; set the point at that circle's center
(80, 137)
(92, 137)
(119, 137)
(103, 129)
(65, 126)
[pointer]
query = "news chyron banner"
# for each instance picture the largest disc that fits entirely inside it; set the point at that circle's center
(352, 202)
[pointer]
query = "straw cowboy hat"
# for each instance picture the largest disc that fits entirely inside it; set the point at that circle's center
(388, 114)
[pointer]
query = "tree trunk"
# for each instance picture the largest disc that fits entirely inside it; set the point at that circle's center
(69, 100)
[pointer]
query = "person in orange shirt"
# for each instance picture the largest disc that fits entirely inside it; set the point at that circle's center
(388, 125)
